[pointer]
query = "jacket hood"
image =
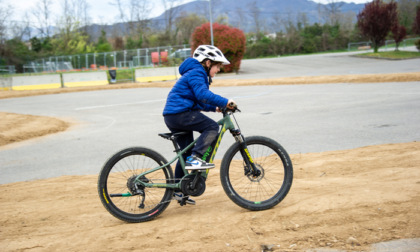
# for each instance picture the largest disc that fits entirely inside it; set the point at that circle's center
(189, 64)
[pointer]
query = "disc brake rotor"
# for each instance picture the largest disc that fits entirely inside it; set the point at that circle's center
(258, 178)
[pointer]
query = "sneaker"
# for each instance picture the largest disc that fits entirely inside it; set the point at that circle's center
(179, 196)
(195, 163)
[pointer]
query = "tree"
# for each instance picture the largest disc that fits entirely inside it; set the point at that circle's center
(376, 20)
(103, 45)
(399, 32)
(170, 13)
(416, 23)
(20, 29)
(70, 39)
(43, 17)
(185, 26)
(407, 12)
(416, 27)
(241, 24)
(135, 14)
(231, 41)
(331, 11)
(256, 16)
(17, 53)
(5, 12)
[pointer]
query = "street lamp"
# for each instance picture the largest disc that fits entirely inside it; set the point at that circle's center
(211, 24)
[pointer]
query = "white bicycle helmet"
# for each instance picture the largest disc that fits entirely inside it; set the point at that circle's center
(210, 52)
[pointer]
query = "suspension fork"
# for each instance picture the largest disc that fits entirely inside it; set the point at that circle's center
(250, 167)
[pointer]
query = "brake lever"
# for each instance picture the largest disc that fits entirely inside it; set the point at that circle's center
(235, 108)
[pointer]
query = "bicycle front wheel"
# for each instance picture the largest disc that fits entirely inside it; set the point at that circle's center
(127, 199)
(269, 187)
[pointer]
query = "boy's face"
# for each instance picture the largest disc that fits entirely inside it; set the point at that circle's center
(215, 69)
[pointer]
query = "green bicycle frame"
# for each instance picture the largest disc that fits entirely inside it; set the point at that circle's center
(226, 124)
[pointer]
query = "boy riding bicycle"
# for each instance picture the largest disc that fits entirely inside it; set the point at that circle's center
(188, 97)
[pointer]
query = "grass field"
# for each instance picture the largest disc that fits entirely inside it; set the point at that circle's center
(392, 55)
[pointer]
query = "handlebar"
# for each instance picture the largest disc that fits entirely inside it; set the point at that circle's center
(233, 109)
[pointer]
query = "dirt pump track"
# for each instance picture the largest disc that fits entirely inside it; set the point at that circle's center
(346, 200)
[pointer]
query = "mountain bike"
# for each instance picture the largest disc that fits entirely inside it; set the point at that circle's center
(137, 184)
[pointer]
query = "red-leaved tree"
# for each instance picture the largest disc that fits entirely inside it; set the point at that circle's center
(376, 20)
(398, 33)
(231, 41)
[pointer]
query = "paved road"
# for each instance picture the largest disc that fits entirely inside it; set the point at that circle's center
(322, 64)
(303, 118)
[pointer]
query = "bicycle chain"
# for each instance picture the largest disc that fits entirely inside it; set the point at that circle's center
(163, 202)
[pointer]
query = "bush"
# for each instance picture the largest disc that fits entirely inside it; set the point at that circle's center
(231, 41)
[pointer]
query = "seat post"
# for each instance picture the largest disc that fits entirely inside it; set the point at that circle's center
(173, 139)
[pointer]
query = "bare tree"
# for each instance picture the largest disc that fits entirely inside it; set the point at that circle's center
(331, 11)
(43, 17)
(21, 30)
(302, 20)
(135, 13)
(170, 14)
(256, 16)
(277, 21)
(121, 10)
(139, 15)
(241, 18)
(74, 14)
(185, 26)
(5, 12)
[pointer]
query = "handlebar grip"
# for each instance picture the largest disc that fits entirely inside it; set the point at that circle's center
(232, 106)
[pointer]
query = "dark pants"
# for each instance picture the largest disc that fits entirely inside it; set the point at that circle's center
(192, 121)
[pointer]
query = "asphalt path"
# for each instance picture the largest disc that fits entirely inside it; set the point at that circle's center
(303, 118)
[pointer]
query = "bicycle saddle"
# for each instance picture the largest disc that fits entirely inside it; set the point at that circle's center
(171, 135)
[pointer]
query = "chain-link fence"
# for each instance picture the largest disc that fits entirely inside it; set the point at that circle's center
(389, 44)
(7, 70)
(145, 57)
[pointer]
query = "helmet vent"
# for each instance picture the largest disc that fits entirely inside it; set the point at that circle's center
(210, 52)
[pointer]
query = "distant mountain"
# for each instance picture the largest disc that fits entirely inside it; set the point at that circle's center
(239, 14)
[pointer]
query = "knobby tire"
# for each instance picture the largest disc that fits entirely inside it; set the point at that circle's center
(117, 176)
(268, 189)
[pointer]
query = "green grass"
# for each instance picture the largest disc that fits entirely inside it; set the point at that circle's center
(392, 55)
(123, 75)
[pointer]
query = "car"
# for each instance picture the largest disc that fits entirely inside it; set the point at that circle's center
(181, 53)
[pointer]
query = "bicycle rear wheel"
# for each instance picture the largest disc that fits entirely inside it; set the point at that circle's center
(268, 188)
(125, 198)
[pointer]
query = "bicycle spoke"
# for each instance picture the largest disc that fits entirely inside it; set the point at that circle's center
(261, 187)
(121, 191)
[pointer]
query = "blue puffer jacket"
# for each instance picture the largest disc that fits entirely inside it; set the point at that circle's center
(191, 91)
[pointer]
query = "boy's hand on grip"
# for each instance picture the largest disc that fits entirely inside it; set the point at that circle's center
(231, 104)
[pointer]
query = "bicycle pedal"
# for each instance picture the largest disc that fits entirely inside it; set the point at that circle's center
(183, 202)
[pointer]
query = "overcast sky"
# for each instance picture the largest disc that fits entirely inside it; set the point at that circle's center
(101, 11)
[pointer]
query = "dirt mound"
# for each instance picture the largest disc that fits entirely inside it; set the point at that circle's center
(340, 199)
(17, 127)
